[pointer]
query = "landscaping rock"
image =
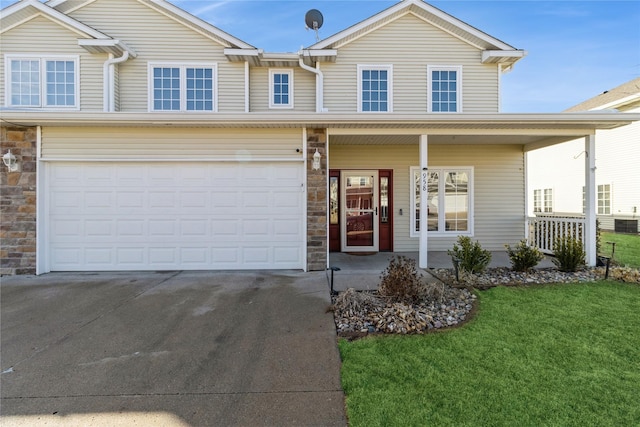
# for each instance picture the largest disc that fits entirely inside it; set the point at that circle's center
(506, 277)
(367, 312)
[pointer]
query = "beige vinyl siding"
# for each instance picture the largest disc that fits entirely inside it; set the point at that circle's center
(171, 143)
(158, 38)
(410, 45)
(71, 4)
(304, 90)
(41, 36)
(498, 187)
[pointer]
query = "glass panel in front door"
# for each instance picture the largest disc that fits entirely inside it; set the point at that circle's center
(360, 210)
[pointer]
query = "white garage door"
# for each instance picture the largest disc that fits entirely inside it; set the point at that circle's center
(188, 216)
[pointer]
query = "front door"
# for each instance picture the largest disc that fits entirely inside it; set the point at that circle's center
(359, 213)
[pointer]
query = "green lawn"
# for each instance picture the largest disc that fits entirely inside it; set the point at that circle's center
(627, 248)
(557, 355)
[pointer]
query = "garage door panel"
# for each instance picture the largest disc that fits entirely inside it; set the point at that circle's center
(131, 256)
(98, 200)
(99, 257)
(98, 228)
(132, 176)
(223, 228)
(254, 199)
(194, 199)
(167, 216)
(163, 228)
(162, 199)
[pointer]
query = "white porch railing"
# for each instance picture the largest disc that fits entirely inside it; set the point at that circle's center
(544, 230)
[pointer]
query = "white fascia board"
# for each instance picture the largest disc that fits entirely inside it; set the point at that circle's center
(516, 123)
(203, 25)
(54, 3)
(618, 103)
(107, 46)
(319, 52)
(253, 52)
(56, 16)
(502, 56)
(406, 4)
(280, 56)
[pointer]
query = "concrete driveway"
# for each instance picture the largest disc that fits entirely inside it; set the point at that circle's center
(169, 348)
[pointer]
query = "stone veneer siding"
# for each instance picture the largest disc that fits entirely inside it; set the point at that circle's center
(316, 202)
(18, 202)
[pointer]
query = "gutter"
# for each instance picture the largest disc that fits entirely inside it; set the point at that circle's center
(319, 81)
(109, 81)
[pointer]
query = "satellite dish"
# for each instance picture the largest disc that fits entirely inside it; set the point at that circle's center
(313, 19)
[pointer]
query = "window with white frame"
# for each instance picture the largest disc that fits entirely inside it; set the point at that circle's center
(548, 200)
(449, 200)
(604, 199)
(280, 88)
(375, 88)
(42, 81)
(178, 87)
(445, 89)
(537, 201)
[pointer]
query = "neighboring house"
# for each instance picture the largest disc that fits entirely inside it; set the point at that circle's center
(556, 174)
(150, 140)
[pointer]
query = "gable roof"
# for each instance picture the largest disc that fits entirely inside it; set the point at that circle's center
(92, 40)
(435, 17)
(619, 96)
(173, 12)
(25, 10)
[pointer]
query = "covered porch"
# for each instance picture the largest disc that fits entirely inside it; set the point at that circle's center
(487, 152)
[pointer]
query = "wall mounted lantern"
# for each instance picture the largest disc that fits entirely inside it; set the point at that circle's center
(315, 165)
(11, 162)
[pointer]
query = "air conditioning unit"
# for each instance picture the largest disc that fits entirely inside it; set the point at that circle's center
(626, 226)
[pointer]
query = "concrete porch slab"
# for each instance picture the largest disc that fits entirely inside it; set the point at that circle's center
(363, 271)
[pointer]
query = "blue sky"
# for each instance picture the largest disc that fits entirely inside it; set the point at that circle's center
(576, 49)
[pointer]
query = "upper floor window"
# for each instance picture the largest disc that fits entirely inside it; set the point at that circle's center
(375, 88)
(182, 87)
(280, 88)
(42, 82)
(445, 89)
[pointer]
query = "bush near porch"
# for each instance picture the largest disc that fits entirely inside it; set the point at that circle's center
(544, 355)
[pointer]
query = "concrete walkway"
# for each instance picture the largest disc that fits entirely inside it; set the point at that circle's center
(170, 349)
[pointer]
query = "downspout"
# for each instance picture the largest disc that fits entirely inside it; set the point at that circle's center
(319, 82)
(109, 80)
(247, 77)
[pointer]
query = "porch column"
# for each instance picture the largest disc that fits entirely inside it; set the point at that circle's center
(424, 179)
(590, 199)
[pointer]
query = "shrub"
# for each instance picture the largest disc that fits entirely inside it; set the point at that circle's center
(524, 257)
(569, 254)
(469, 256)
(400, 280)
